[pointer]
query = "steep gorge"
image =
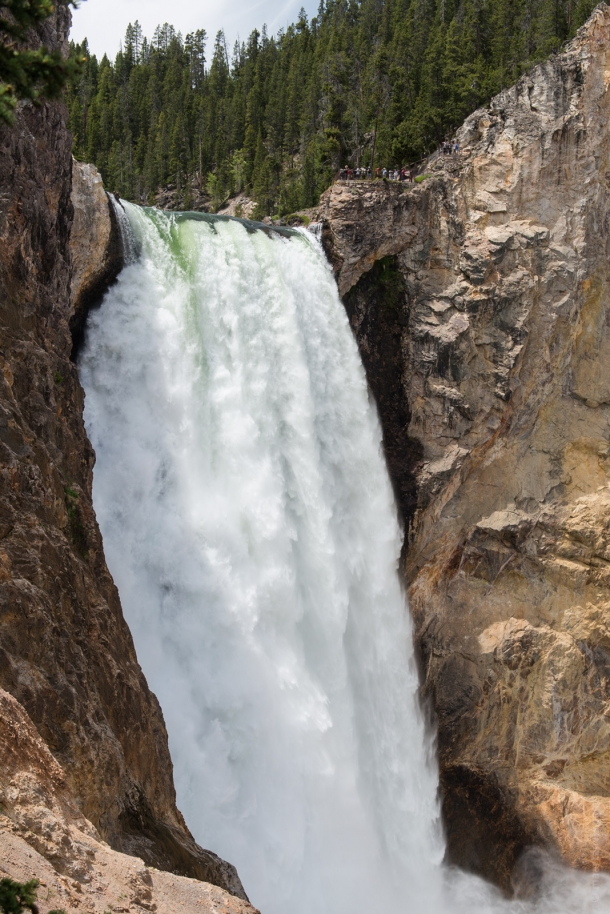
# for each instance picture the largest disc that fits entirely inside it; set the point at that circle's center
(480, 303)
(481, 306)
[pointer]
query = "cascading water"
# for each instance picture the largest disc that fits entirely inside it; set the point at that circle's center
(129, 241)
(249, 524)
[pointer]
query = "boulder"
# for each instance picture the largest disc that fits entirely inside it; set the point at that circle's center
(95, 244)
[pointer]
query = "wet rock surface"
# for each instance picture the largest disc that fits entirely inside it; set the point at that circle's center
(66, 653)
(491, 368)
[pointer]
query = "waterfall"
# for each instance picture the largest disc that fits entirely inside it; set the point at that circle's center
(129, 242)
(249, 524)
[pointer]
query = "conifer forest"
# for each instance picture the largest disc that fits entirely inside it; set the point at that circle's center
(364, 82)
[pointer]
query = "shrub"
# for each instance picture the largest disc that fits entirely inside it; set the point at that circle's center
(15, 897)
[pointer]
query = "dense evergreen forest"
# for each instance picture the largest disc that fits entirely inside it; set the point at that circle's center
(365, 81)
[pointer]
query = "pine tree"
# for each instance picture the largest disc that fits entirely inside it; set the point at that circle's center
(25, 73)
(366, 82)
(15, 897)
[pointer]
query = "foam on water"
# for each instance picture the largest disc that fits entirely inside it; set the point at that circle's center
(249, 524)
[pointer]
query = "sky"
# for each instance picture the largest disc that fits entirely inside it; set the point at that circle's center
(103, 22)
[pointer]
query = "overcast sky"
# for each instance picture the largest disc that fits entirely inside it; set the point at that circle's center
(103, 22)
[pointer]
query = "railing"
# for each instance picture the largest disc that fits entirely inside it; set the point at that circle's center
(417, 168)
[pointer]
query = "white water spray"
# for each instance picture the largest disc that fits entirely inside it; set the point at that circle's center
(249, 524)
(129, 241)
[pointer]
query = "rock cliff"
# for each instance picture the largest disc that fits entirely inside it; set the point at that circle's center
(481, 303)
(95, 245)
(43, 834)
(66, 654)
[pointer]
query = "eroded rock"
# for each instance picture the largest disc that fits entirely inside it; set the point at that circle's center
(95, 244)
(491, 369)
(44, 835)
(66, 653)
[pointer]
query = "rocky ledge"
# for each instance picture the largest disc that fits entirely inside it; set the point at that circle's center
(481, 303)
(44, 835)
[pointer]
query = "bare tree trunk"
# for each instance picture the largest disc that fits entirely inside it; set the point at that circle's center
(374, 144)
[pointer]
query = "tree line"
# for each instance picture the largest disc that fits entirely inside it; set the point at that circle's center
(365, 82)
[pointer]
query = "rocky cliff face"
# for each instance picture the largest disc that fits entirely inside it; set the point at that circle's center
(66, 654)
(481, 303)
(96, 251)
(43, 834)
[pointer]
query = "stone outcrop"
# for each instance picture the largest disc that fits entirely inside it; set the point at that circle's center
(66, 654)
(95, 244)
(481, 302)
(240, 206)
(44, 835)
(193, 198)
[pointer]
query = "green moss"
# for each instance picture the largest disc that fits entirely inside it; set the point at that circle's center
(421, 178)
(76, 527)
(300, 217)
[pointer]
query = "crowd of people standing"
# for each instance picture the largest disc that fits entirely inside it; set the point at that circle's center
(393, 174)
(388, 174)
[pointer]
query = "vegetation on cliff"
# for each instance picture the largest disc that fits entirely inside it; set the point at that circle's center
(26, 72)
(278, 115)
(16, 897)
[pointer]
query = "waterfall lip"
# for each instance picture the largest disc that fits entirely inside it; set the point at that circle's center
(212, 219)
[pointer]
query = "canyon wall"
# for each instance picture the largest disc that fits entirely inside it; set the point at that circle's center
(481, 305)
(480, 299)
(66, 654)
(96, 249)
(43, 834)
